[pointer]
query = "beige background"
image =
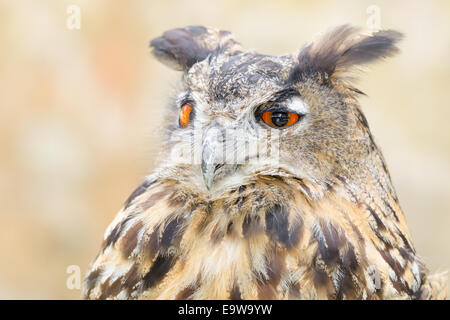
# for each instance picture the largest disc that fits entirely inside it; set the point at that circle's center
(80, 113)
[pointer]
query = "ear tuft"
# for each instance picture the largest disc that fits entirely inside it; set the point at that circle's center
(181, 48)
(346, 48)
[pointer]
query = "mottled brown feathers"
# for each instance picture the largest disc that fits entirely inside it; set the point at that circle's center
(281, 252)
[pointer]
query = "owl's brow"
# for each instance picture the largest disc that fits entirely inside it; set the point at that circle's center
(183, 98)
(278, 97)
(277, 102)
(284, 95)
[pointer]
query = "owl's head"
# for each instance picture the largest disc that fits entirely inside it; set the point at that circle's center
(240, 114)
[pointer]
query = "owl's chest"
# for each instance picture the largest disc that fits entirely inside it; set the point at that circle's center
(261, 241)
(262, 248)
(264, 240)
(263, 253)
(259, 267)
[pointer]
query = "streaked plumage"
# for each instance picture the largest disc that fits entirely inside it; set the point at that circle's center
(321, 221)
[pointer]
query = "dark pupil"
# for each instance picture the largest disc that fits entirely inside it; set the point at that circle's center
(280, 119)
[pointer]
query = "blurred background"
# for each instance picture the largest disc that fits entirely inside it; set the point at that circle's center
(81, 108)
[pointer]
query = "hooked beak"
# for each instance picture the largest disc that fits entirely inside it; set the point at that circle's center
(212, 154)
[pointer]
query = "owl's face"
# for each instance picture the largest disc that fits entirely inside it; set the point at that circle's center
(242, 114)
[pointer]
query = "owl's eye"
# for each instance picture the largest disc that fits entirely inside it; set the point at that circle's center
(185, 115)
(280, 119)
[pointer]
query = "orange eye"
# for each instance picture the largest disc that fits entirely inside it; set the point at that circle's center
(185, 115)
(280, 119)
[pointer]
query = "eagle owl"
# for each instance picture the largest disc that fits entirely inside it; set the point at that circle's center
(272, 185)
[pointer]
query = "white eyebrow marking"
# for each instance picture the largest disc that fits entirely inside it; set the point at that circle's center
(181, 98)
(297, 105)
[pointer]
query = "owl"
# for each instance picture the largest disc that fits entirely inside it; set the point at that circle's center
(271, 184)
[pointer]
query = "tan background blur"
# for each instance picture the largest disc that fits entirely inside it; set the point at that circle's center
(80, 113)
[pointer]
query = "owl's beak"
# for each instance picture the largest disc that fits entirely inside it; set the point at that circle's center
(212, 154)
(208, 174)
